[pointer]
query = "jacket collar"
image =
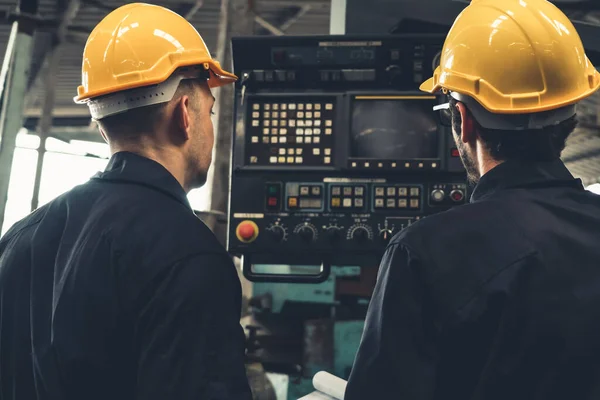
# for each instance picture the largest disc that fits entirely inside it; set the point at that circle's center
(132, 168)
(516, 174)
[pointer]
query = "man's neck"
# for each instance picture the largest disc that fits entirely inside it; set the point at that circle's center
(172, 162)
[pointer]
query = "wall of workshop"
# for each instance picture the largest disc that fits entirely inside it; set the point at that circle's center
(66, 165)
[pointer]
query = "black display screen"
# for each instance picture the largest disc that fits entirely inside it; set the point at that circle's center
(396, 129)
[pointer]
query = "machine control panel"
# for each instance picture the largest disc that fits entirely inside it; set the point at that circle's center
(335, 149)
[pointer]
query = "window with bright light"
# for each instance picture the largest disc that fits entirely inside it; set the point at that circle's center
(66, 165)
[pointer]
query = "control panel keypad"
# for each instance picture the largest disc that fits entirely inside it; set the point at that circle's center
(397, 197)
(304, 197)
(347, 198)
(291, 123)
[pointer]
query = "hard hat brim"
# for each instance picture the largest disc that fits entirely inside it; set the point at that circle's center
(429, 86)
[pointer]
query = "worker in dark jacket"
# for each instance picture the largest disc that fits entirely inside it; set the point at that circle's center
(498, 299)
(116, 290)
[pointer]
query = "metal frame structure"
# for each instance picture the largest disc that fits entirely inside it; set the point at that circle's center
(15, 75)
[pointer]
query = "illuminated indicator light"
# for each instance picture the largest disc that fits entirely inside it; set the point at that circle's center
(347, 202)
(292, 202)
(255, 106)
(298, 160)
(265, 131)
(299, 139)
(281, 160)
(290, 151)
(353, 165)
(254, 139)
(309, 114)
(283, 139)
(284, 106)
(380, 165)
(367, 164)
(283, 131)
(291, 106)
(275, 114)
(283, 114)
(317, 122)
(328, 122)
(327, 152)
(292, 123)
(299, 123)
(316, 152)
(308, 123)
(317, 106)
(253, 160)
(265, 140)
(282, 152)
(299, 151)
(335, 202)
(316, 140)
(317, 114)
(274, 140)
(267, 106)
(329, 106)
(290, 160)
(273, 189)
(309, 106)
(308, 140)
(272, 201)
(308, 131)
(275, 123)
(328, 131)
(421, 165)
(267, 123)
(275, 106)
(455, 153)
(283, 122)
(255, 123)
(394, 165)
(273, 160)
(255, 115)
(407, 165)
(267, 114)
(274, 131)
(317, 131)
(433, 165)
(402, 203)
(327, 160)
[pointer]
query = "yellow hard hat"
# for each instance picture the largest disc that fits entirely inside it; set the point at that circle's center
(515, 57)
(138, 45)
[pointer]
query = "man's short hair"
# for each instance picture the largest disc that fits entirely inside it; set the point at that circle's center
(133, 123)
(544, 144)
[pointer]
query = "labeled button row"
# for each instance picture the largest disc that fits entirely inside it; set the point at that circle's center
(400, 203)
(392, 191)
(337, 202)
(348, 190)
(292, 106)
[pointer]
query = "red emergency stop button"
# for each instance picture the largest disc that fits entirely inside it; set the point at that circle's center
(247, 231)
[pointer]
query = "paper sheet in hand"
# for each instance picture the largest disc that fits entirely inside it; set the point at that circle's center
(329, 387)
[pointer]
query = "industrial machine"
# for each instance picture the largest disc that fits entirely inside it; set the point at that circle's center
(335, 150)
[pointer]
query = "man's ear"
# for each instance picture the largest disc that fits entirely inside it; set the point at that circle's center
(182, 117)
(468, 133)
(103, 134)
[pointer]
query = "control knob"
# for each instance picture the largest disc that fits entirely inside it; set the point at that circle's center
(334, 233)
(277, 232)
(360, 233)
(438, 195)
(307, 232)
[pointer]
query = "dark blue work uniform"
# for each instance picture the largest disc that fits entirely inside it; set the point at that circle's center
(495, 300)
(116, 290)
